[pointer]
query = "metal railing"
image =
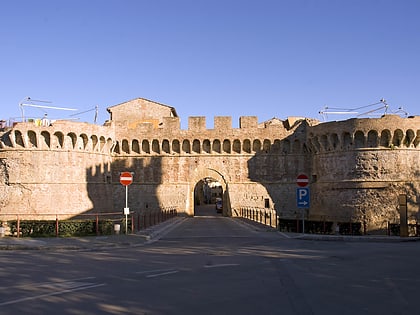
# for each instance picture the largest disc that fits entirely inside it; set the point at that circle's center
(12, 223)
(270, 218)
(261, 215)
(341, 226)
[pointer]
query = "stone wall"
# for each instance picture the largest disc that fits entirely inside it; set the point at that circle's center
(357, 168)
(59, 169)
(360, 166)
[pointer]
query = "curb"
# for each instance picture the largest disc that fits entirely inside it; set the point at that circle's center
(328, 238)
(355, 238)
(162, 230)
(92, 242)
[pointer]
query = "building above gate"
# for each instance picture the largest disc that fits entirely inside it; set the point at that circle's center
(140, 111)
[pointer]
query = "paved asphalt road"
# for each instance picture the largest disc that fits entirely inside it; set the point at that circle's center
(215, 265)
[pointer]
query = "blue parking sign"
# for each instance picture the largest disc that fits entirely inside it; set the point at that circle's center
(303, 197)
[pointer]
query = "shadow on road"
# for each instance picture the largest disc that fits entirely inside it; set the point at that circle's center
(207, 210)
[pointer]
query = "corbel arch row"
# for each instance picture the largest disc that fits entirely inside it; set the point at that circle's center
(59, 140)
(208, 146)
(397, 138)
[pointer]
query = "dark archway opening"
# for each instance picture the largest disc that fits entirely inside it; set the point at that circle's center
(208, 197)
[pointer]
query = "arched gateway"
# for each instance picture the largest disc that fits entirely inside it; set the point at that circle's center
(200, 174)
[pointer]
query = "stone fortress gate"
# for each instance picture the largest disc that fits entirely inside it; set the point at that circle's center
(357, 168)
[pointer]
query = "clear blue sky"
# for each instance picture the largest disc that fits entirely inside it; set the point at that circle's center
(210, 58)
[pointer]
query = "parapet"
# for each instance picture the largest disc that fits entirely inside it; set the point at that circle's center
(223, 122)
(197, 123)
(248, 122)
(172, 123)
(292, 120)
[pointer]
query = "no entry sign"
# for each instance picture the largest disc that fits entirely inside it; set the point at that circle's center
(126, 178)
(302, 180)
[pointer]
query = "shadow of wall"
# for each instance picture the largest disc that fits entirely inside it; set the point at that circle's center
(357, 169)
(107, 194)
(277, 168)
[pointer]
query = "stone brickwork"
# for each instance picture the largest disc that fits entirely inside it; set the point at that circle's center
(63, 168)
(357, 168)
(362, 165)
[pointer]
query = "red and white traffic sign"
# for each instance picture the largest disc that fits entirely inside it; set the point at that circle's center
(302, 180)
(126, 178)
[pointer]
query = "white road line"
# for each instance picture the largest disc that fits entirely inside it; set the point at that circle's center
(29, 298)
(162, 274)
(153, 271)
(46, 284)
(220, 265)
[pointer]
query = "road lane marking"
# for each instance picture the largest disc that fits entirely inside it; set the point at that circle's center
(84, 286)
(220, 265)
(153, 271)
(45, 284)
(157, 272)
(162, 274)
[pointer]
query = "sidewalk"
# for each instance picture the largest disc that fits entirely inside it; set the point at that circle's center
(90, 242)
(153, 233)
(349, 238)
(328, 237)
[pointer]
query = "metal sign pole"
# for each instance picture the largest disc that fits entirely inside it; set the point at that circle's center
(303, 221)
(126, 207)
(126, 178)
(303, 198)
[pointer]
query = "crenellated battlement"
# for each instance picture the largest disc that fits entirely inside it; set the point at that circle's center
(388, 132)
